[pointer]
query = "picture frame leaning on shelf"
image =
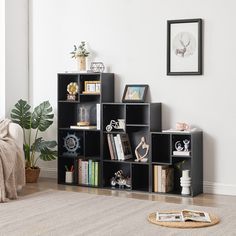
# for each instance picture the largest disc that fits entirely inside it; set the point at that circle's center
(135, 93)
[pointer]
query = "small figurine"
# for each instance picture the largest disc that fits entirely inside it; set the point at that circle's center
(120, 124)
(178, 146)
(72, 89)
(120, 180)
(186, 145)
(142, 145)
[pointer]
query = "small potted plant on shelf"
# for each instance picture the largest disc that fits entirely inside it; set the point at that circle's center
(35, 147)
(80, 53)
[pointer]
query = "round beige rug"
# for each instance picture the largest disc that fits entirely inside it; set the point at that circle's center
(188, 224)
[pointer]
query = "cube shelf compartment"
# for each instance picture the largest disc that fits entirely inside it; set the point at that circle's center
(163, 146)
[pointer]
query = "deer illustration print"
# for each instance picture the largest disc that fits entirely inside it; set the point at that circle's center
(185, 44)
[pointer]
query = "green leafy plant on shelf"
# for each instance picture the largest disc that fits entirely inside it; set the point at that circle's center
(34, 123)
(80, 51)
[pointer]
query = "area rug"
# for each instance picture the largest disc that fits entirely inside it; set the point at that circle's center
(70, 213)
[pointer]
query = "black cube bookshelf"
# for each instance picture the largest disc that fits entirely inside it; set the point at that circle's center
(140, 120)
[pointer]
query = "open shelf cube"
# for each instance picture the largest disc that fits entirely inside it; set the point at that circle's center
(160, 148)
(113, 111)
(137, 114)
(140, 182)
(62, 163)
(110, 168)
(182, 142)
(70, 143)
(63, 81)
(92, 144)
(70, 114)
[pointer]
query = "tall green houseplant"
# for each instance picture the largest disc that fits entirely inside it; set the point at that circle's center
(33, 124)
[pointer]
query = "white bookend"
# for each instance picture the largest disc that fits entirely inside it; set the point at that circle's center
(98, 106)
(118, 149)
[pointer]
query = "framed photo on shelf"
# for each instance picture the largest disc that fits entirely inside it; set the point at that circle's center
(184, 47)
(91, 87)
(135, 93)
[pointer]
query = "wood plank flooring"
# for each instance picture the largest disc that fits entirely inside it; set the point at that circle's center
(200, 200)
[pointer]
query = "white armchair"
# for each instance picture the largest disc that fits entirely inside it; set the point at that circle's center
(16, 132)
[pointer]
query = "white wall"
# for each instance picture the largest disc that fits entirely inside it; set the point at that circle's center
(16, 56)
(129, 36)
(2, 58)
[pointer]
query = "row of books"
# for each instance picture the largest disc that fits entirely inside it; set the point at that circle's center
(119, 146)
(163, 178)
(88, 172)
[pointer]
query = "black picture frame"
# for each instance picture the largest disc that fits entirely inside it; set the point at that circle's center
(136, 98)
(193, 51)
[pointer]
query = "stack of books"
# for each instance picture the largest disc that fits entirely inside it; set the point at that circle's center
(88, 172)
(119, 147)
(163, 178)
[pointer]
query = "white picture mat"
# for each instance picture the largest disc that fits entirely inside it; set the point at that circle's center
(183, 64)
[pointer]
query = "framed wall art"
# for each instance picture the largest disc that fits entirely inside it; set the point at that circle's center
(184, 47)
(135, 93)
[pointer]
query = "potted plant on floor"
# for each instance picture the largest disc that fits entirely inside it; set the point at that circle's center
(33, 124)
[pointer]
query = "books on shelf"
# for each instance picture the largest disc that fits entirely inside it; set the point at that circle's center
(163, 178)
(119, 146)
(184, 215)
(181, 153)
(88, 172)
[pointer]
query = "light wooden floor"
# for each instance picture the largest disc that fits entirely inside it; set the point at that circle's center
(201, 200)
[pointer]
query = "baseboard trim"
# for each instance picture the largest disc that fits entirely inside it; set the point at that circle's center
(48, 173)
(219, 188)
(208, 187)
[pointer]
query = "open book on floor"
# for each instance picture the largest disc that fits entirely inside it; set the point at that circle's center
(184, 215)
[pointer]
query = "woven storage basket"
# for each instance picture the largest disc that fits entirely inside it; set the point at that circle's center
(32, 175)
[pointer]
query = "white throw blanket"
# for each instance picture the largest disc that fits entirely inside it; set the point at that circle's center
(12, 164)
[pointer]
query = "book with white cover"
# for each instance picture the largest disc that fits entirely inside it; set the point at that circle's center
(98, 109)
(118, 148)
(123, 140)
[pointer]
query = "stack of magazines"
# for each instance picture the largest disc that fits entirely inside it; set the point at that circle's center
(184, 215)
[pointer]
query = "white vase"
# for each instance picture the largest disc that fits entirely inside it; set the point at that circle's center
(185, 182)
(81, 61)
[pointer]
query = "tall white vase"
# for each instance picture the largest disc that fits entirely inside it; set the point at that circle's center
(81, 61)
(185, 182)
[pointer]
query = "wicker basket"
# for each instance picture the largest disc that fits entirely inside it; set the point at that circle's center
(32, 175)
